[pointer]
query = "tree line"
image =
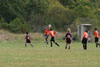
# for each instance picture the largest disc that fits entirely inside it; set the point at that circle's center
(22, 16)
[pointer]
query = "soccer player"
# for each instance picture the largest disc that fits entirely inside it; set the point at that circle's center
(96, 34)
(47, 31)
(68, 38)
(28, 39)
(85, 40)
(52, 34)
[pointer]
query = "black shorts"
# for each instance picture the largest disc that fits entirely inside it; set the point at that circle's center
(68, 40)
(96, 39)
(84, 41)
(52, 39)
(46, 35)
(28, 41)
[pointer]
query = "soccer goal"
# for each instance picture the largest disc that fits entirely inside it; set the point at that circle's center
(82, 28)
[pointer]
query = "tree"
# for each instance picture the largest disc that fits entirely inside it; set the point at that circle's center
(10, 9)
(15, 25)
(6, 10)
(60, 16)
(69, 3)
(36, 7)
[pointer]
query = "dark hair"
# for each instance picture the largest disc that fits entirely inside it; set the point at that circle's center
(95, 28)
(86, 30)
(50, 29)
(26, 32)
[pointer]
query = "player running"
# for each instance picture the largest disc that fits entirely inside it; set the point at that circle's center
(52, 34)
(68, 38)
(47, 31)
(28, 39)
(85, 40)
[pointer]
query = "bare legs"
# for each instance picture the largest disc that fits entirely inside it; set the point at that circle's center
(68, 46)
(30, 44)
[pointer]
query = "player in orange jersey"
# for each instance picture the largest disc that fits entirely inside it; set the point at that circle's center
(47, 31)
(85, 40)
(52, 34)
(96, 34)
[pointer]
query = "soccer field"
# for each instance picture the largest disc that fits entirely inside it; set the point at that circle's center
(14, 54)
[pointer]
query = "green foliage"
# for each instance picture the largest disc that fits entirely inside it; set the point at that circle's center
(6, 10)
(3, 24)
(84, 11)
(59, 16)
(33, 15)
(69, 3)
(10, 9)
(75, 37)
(36, 7)
(15, 25)
(25, 28)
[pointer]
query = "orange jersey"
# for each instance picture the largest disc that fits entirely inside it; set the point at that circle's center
(52, 33)
(47, 31)
(96, 34)
(85, 35)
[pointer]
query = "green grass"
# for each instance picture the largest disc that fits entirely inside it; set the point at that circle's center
(14, 54)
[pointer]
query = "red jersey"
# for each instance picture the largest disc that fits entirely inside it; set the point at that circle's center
(85, 35)
(68, 36)
(28, 36)
(52, 33)
(47, 31)
(96, 34)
